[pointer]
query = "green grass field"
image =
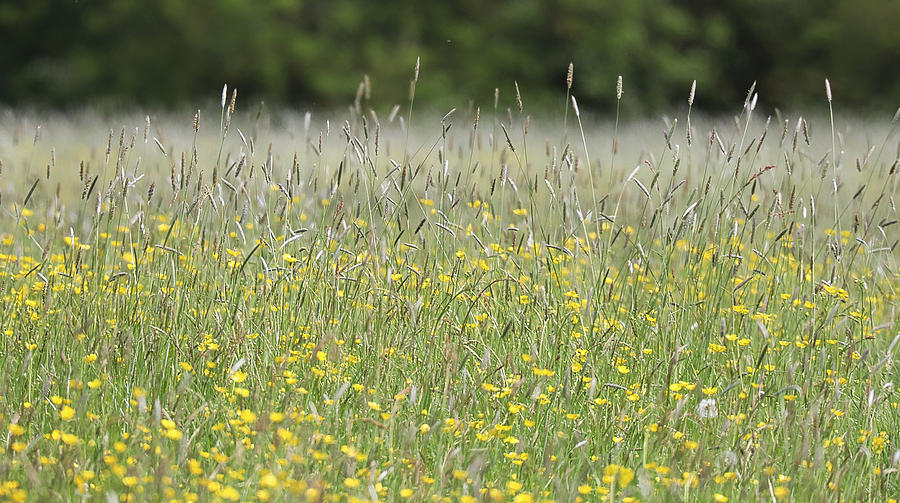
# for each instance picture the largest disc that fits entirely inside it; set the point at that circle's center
(481, 307)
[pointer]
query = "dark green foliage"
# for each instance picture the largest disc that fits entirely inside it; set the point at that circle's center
(64, 52)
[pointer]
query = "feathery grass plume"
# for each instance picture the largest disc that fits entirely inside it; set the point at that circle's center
(749, 95)
(506, 134)
(377, 137)
(357, 101)
(688, 129)
(518, 97)
(750, 106)
(667, 134)
(589, 170)
(412, 96)
(160, 147)
(108, 144)
(412, 83)
(570, 72)
(615, 144)
(834, 158)
(762, 138)
(447, 115)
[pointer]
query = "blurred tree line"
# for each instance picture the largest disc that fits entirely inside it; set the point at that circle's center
(172, 52)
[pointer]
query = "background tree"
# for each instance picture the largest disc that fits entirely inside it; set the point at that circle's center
(170, 52)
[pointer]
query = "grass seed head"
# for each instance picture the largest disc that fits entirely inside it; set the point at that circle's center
(518, 97)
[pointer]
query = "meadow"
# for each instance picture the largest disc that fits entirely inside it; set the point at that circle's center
(465, 305)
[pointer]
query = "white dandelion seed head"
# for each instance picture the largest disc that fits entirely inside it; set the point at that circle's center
(707, 408)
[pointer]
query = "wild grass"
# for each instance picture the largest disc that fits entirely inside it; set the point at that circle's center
(287, 307)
